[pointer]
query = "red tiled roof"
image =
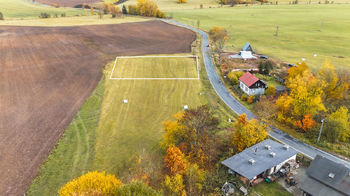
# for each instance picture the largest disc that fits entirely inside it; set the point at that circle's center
(248, 79)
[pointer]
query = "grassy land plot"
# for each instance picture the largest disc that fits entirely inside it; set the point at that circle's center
(129, 131)
(155, 67)
(304, 30)
(23, 9)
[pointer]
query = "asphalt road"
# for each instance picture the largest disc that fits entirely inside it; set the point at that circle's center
(238, 108)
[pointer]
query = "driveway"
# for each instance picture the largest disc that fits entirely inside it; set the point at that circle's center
(238, 108)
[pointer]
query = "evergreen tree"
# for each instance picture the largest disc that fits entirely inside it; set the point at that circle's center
(124, 10)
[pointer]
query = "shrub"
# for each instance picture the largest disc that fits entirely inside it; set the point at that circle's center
(270, 91)
(136, 188)
(181, 1)
(251, 99)
(44, 15)
(116, 12)
(1, 16)
(63, 15)
(265, 66)
(132, 9)
(232, 77)
(244, 97)
(92, 183)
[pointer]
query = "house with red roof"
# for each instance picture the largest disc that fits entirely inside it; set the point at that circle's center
(252, 85)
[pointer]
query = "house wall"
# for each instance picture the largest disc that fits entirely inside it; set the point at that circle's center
(251, 91)
(278, 167)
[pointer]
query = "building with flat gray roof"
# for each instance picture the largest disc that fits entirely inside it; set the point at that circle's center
(264, 158)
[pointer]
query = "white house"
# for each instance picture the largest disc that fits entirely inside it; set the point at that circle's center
(252, 85)
(260, 160)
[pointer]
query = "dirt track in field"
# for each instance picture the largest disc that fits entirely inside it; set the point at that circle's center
(46, 74)
(68, 3)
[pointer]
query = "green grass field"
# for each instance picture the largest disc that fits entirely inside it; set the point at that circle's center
(147, 68)
(112, 136)
(24, 9)
(304, 30)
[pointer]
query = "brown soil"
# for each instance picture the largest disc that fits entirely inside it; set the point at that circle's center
(46, 74)
(67, 3)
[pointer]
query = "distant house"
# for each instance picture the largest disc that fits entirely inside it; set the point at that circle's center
(246, 53)
(325, 177)
(247, 47)
(260, 160)
(252, 85)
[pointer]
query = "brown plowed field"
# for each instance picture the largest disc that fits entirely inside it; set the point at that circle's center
(46, 74)
(68, 3)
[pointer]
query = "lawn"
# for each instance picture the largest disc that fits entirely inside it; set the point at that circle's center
(304, 30)
(24, 9)
(272, 189)
(120, 138)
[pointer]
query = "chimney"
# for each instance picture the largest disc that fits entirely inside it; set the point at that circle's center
(267, 147)
(272, 154)
(251, 161)
(286, 147)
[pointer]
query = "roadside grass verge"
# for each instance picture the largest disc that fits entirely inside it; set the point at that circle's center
(304, 30)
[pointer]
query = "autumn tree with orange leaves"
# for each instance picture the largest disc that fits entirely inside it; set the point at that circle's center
(175, 160)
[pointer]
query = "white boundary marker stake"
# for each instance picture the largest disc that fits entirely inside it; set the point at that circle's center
(129, 57)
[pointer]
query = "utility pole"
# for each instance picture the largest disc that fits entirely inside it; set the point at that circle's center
(319, 135)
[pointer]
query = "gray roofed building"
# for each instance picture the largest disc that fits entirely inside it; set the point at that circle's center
(266, 157)
(325, 177)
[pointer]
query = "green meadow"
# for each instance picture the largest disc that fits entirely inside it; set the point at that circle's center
(303, 30)
(25, 9)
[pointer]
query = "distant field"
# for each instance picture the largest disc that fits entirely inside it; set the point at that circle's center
(71, 21)
(304, 30)
(24, 9)
(155, 67)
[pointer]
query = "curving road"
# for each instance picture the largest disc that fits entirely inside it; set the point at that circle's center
(238, 108)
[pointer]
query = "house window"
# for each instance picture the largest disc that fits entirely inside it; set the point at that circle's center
(246, 89)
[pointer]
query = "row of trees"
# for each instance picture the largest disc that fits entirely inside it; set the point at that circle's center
(145, 8)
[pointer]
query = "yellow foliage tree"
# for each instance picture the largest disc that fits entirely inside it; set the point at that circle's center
(334, 89)
(174, 132)
(92, 183)
(175, 185)
(181, 1)
(306, 95)
(248, 133)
